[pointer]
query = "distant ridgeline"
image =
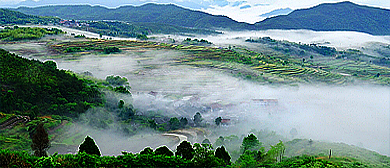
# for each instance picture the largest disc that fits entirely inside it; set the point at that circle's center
(14, 17)
(33, 88)
(343, 16)
(149, 13)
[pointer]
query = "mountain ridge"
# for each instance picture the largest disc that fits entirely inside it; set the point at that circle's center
(342, 16)
(150, 12)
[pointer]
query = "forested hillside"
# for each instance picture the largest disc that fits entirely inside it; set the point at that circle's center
(343, 16)
(148, 13)
(33, 88)
(14, 17)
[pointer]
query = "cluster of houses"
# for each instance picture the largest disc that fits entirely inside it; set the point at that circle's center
(73, 23)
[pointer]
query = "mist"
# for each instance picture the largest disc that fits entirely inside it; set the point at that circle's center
(339, 39)
(356, 115)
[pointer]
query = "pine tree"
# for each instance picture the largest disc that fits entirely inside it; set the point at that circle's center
(250, 143)
(185, 150)
(164, 150)
(89, 146)
(221, 153)
(40, 141)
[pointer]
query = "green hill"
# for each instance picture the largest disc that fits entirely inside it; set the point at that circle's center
(148, 13)
(14, 17)
(343, 16)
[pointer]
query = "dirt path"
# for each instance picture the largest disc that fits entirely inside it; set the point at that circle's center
(183, 135)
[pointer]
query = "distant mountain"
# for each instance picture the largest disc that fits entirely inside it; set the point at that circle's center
(148, 13)
(343, 16)
(276, 12)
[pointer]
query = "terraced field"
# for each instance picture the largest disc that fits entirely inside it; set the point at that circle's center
(245, 63)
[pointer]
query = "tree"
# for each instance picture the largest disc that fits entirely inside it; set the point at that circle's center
(185, 150)
(40, 141)
(220, 141)
(276, 152)
(146, 151)
(163, 150)
(197, 118)
(204, 156)
(89, 146)
(174, 123)
(152, 124)
(218, 121)
(250, 143)
(121, 103)
(221, 153)
(183, 122)
(206, 141)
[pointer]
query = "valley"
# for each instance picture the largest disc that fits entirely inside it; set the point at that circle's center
(139, 92)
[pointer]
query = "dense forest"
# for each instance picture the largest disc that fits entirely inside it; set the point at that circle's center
(13, 17)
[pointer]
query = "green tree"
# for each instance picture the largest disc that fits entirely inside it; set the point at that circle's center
(185, 150)
(146, 151)
(174, 123)
(198, 118)
(121, 103)
(204, 156)
(206, 141)
(221, 153)
(247, 159)
(218, 121)
(276, 152)
(152, 124)
(89, 146)
(220, 141)
(50, 64)
(183, 122)
(163, 150)
(122, 89)
(250, 143)
(40, 141)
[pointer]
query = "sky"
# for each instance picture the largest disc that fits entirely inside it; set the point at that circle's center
(239, 10)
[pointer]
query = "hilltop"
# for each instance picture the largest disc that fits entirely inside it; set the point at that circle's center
(343, 16)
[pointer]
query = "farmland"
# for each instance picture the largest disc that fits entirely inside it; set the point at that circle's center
(264, 68)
